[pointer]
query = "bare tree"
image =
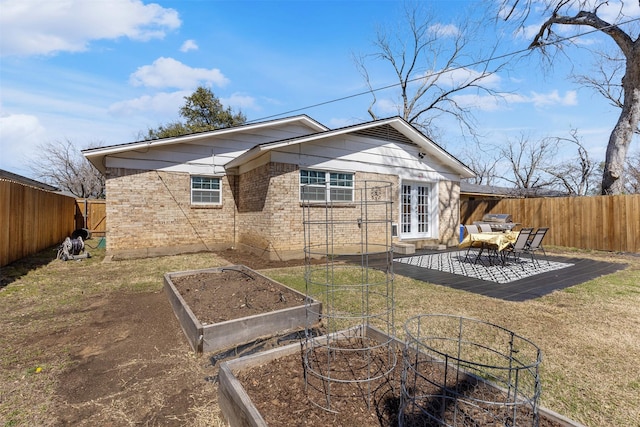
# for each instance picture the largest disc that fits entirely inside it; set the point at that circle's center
(482, 162)
(606, 77)
(623, 31)
(527, 163)
(61, 164)
(574, 176)
(427, 58)
(632, 175)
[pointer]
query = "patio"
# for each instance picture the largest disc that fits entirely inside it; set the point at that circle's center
(447, 269)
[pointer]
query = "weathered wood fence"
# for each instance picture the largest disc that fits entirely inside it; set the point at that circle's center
(32, 220)
(92, 215)
(610, 223)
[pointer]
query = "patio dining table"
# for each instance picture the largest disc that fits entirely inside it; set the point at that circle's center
(495, 242)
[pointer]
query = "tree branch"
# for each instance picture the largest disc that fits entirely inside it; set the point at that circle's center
(589, 19)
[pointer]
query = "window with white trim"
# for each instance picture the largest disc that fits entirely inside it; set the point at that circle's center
(205, 190)
(321, 186)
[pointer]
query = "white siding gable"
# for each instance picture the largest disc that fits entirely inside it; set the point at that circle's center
(356, 153)
(202, 154)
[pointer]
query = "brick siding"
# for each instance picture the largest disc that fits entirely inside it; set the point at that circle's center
(150, 212)
(152, 209)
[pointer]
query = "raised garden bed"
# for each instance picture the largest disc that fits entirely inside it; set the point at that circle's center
(222, 307)
(268, 389)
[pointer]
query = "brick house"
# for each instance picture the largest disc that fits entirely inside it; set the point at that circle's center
(241, 187)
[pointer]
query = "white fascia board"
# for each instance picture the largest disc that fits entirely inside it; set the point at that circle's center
(258, 150)
(400, 125)
(432, 148)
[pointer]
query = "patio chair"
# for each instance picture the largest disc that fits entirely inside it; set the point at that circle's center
(535, 244)
(520, 246)
(471, 229)
(485, 228)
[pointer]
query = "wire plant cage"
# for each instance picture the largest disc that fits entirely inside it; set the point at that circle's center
(459, 372)
(349, 268)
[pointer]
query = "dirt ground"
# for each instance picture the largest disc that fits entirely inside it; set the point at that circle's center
(233, 293)
(96, 343)
(132, 364)
(374, 403)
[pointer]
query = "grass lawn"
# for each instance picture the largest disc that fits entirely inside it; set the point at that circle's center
(589, 335)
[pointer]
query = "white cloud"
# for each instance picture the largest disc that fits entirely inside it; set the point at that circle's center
(243, 102)
(615, 12)
(460, 76)
(165, 104)
(442, 30)
(528, 32)
(387, 107)
(19, 135)
(36, 27)
(553, 98)
(188, 45)
(489, 102)
(503, 100)
(478, 102)
(167, 72)
(513, 98)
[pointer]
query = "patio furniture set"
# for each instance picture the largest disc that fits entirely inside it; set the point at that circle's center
(499, 246)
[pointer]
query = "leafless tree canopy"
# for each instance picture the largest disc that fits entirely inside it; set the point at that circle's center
(632, 175)
(61, 164)
(624, 32)
(527, 164)
(575, 177)
(483, 161)
(428, 59)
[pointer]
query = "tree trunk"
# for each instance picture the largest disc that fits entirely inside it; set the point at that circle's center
(627, 125)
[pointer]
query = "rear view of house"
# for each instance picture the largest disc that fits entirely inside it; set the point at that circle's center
(245, 187)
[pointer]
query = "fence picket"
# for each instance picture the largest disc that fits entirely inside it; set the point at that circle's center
(609, 223)
(31, 219)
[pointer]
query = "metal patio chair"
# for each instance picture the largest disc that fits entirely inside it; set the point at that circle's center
(485, 228)
(519, 247)
(535, 244)
(471, 229)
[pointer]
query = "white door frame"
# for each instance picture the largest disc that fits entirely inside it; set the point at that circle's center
(417, 210)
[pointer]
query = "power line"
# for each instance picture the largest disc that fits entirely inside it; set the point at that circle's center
(471, 64)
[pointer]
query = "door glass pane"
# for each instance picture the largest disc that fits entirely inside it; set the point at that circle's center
(423, 209)
(406, 208)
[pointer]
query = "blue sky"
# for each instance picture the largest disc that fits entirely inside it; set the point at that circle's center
(102, 71)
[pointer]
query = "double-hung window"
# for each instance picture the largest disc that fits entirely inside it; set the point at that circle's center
(205, 190)
(321, 186)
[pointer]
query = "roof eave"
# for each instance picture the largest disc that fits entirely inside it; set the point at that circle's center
(96, 155)
(397, 122)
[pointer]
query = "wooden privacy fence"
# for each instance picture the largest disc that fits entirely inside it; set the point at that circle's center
(609, 223)
(92, 215)
(32, 220)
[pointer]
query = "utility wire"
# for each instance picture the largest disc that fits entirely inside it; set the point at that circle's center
(471, 64)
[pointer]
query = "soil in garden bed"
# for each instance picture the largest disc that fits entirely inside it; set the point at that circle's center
(278, 391)
(233, 293)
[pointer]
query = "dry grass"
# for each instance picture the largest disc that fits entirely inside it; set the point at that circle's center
(589, 334)
(46, 298)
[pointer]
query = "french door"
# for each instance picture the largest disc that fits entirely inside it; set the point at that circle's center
(415, 210)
